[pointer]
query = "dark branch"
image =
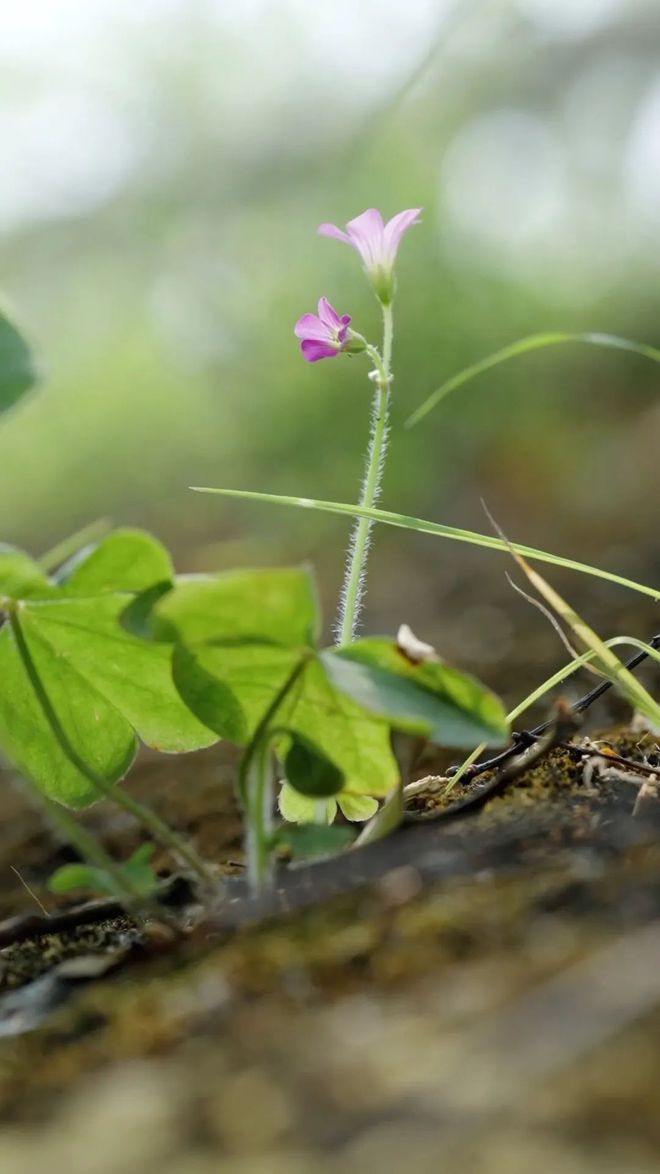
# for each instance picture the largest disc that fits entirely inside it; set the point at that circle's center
(527, 738)
(561, 726)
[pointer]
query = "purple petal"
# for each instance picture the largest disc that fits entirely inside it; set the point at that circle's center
(328, 314)
(395, 229)
(309, 326)
(366, 235)
(334, 322)
(313, 350)
(333, 231)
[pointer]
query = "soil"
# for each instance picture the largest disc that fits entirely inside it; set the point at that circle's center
(480, 995)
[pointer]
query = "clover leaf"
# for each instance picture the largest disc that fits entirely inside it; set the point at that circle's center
(428, 698)
(312, 839)
(240, 637)
(137, 870)
(230, 688)
(77, 689)
(18, 372)
(310, 771)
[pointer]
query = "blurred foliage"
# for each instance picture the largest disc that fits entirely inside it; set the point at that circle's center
(18, 371)
(171, 166)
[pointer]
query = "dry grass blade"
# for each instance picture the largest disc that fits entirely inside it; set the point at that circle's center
(604, 657)
(540, 691)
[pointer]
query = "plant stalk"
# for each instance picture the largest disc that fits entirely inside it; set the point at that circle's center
(90, 850)
(354, 580)
(160, 830)
(255, 782)
(260, 820)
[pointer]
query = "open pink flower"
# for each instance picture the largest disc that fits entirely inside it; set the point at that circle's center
(323, 335)
(376, 242)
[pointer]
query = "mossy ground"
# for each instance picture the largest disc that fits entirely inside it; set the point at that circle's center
(484, 995)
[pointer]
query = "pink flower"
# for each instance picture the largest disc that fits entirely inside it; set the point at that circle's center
(325, 335)
(376, 242)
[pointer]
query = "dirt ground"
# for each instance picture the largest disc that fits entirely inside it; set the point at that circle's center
(482, 996)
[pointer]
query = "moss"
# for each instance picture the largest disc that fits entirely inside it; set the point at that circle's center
(340, 1007)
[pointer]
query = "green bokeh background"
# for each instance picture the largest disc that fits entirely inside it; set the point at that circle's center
(166, 173)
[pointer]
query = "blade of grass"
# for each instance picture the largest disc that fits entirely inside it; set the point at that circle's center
(524, 346)
(404, 522)
(608, 661)
(586, 658)
(556, 679)
(69, 546)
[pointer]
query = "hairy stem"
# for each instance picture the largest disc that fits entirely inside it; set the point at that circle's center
(354, 580)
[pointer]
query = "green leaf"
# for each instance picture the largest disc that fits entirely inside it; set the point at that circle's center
(357, 742)
(313, 839)
(523, 346)
(241, 635)
(265, 606)
(77, 687)
(20, 576)
(430, 698)
(404, 522)
(134, 676)
(126, 560)
(357, 807)
(297, 808)
(229, 688)
(310, 771)
(40, 693)
(137, 870)
(142, 855)
(71, 877)
(18, 371)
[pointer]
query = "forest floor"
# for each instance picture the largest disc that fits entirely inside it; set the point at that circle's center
(479, 995)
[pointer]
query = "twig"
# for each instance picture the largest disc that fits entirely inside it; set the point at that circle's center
(30, 891)
(34, 925)
(527, 738)
(173, 892)
(591, 750)
(562, 726)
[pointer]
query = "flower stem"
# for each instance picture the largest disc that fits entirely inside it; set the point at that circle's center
(353, 588)
(388, 337)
